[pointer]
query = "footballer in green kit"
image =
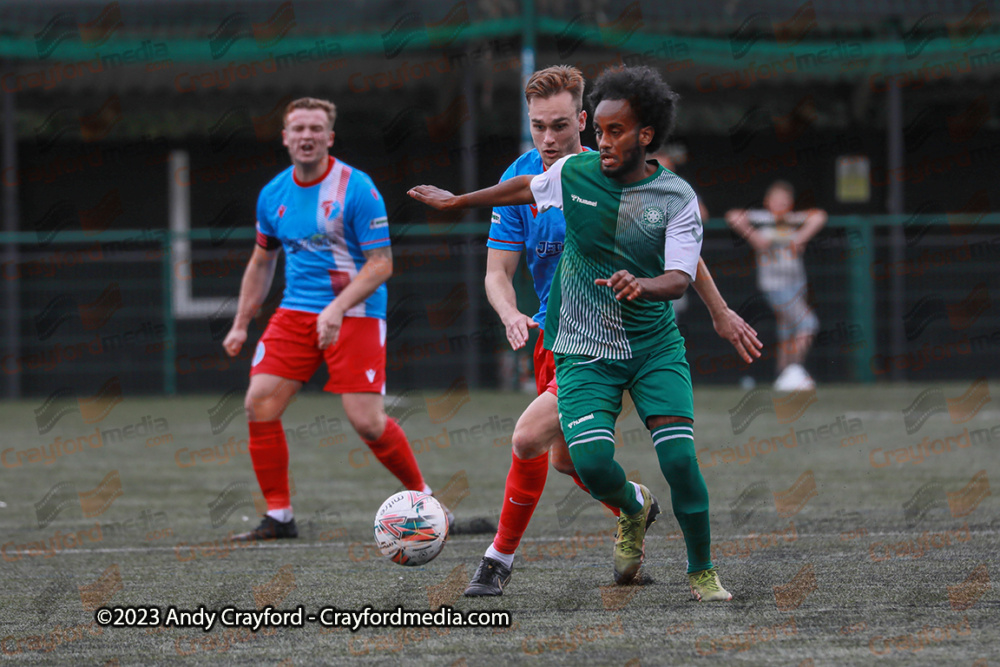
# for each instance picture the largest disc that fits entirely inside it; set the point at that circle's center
(633, 238)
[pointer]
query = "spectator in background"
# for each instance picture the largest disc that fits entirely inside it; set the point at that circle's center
(778, 235)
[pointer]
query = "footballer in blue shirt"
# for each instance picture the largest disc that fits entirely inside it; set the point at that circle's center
(331, 222)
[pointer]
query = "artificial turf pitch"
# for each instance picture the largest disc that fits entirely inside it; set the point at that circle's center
(831, 560)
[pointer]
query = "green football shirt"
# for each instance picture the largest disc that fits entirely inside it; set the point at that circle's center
(646, 228)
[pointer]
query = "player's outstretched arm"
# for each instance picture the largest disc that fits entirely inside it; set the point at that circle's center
(728, 324)
(253, 290)
(512, 192)
(501, 265)
(376, 270)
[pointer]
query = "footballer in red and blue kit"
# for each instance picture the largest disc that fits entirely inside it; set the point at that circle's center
(325, 226)
(540, 236)
(331, 222)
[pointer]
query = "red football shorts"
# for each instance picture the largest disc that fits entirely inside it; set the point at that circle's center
(545, 368)
(289, 349)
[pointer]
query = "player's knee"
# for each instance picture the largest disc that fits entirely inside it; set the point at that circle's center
(248, 407)
(526, 443)
(809, 324)
(262, 408)
(679, 467)
(369, 427)
(258, 408)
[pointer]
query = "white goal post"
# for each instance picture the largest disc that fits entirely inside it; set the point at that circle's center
(185, 305)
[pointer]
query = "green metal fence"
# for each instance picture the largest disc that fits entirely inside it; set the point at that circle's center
(90, 306)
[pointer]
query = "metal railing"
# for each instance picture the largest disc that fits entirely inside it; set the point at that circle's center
(98, 305)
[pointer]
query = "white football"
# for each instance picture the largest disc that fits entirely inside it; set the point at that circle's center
(410, 528)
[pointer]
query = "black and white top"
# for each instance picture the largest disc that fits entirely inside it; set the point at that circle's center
(778, 267)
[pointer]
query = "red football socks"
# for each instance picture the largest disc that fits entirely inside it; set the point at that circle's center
(525, 483)
(393, 450)
(269, 454)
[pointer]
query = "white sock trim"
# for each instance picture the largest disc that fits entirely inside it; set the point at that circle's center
(506, 559)
(283, 515)
(638, 494)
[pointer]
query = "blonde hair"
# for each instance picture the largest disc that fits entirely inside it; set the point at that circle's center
(781, 185)
(311, 103)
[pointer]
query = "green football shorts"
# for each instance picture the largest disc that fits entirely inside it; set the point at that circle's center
(590, 389)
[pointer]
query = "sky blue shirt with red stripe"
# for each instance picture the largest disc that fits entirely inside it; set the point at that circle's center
(523, 228)
(325, 226)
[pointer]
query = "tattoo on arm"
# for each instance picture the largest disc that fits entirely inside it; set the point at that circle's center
(383, 253)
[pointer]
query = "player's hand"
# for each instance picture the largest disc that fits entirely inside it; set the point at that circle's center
(734, 328)
(434, 197)
(328, 326)
(234, 340)
(517, 330)
(625, 285)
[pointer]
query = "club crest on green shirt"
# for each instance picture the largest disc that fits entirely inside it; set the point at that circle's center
(653, 216)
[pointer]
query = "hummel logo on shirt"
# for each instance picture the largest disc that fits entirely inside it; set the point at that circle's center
(581, 200)
(370, 374)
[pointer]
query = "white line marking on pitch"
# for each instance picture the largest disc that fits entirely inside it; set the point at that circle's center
(205, 546)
